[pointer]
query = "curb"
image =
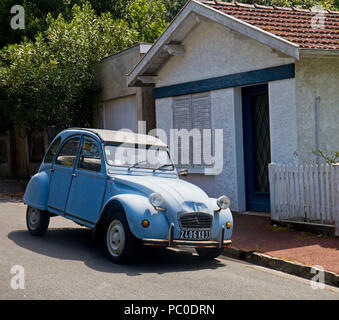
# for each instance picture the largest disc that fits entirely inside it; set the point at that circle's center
(294, 268)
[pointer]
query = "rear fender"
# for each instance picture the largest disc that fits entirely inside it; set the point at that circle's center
(36, 194)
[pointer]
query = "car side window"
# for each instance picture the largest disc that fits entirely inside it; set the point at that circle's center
(52, 151)
(90, 158)
(68, 153)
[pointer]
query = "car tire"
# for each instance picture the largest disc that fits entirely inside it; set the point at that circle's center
(37, 221)
(209, 254)
(119, 242)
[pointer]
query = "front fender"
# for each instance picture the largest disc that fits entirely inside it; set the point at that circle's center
(220, 218)
(36, 194)
(137, 208)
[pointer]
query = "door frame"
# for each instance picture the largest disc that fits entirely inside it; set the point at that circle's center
(261, 200)
(101, 175)
(57, 167)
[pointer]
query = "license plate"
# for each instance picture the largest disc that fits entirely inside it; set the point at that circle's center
(195, 234)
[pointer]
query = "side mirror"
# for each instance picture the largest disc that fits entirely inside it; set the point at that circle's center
(183, 172)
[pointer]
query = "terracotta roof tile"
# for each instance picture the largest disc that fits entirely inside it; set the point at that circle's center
(294, 25)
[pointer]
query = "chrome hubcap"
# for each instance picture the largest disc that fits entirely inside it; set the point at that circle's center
(33, 218)
(115, 238)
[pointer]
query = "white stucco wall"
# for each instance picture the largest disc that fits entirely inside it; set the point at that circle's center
(224, 107)
(121, 113)
(212, 50)
(317, 82)
(283, 121)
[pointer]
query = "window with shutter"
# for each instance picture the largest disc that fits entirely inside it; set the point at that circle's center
(193, 112)
(182, 112)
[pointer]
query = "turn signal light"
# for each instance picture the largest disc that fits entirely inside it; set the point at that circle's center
(145, 223)
(228, 225)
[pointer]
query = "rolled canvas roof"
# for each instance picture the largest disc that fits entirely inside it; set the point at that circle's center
(125, 137)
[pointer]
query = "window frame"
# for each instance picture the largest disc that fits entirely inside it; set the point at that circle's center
(136, 146)
(61, 147)
(56, 152)
(102, 164)
(191, 110)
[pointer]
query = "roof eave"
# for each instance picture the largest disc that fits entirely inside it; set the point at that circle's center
(304, 53)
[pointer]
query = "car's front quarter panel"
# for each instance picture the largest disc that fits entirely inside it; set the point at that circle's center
(137, 207)
(36, 194)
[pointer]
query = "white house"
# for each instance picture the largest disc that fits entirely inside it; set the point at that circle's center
(267, 76)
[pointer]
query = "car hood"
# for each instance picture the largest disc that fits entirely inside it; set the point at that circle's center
(175, 191)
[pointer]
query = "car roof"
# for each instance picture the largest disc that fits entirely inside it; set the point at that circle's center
(122, 136)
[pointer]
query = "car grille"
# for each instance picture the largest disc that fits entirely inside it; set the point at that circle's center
(195, 220)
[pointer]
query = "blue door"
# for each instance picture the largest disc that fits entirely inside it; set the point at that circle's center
(61, 174)
(88, 184)
(257, 151)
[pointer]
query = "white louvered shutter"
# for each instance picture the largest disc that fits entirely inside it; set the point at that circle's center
(201, 119)
(182, 119)
(182, 112)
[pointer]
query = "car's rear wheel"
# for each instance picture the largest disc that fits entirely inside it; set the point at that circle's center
(120, 243)
(209, 253)
(37, 221)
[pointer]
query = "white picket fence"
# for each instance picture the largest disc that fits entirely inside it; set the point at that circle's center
(304, 192)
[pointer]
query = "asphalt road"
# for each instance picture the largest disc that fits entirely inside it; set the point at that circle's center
(67, 264)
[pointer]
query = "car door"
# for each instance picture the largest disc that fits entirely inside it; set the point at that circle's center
(88, 184)
(61, 174)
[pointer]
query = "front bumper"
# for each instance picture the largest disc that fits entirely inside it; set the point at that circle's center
(186, 243)
(171, 242)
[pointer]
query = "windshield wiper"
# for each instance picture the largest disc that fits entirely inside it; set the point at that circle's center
(163, 166)
(136, 164)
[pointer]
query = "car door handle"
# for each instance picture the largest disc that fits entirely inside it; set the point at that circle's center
(74, 175)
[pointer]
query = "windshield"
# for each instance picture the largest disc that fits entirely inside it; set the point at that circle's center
(140, 156)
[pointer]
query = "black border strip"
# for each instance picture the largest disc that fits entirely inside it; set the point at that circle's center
(234, 80)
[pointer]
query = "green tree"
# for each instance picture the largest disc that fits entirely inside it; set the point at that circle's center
(50, 80)
(147, 18)
(35, 17)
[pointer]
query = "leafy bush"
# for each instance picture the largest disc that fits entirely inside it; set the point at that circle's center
(332, 158)
(50, 81)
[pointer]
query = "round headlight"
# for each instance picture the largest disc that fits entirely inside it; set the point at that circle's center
(156, 199)
(223, 202)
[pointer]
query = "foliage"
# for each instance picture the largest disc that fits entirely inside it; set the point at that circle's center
(173, 7)
(332, 158)
(36, 12)
(35, 17)
(147, 18)
(305, 4)
(51, 81)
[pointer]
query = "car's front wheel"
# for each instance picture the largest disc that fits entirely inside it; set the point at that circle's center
(120, 243)
(37, 221)
(209, 253)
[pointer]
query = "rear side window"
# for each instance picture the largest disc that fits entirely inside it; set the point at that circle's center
(68, 153)
(90, 158)
(52, 151)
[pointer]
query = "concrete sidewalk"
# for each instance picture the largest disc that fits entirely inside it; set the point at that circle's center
(253, 233)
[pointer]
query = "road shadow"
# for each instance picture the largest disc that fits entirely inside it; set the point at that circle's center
(76, 244)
